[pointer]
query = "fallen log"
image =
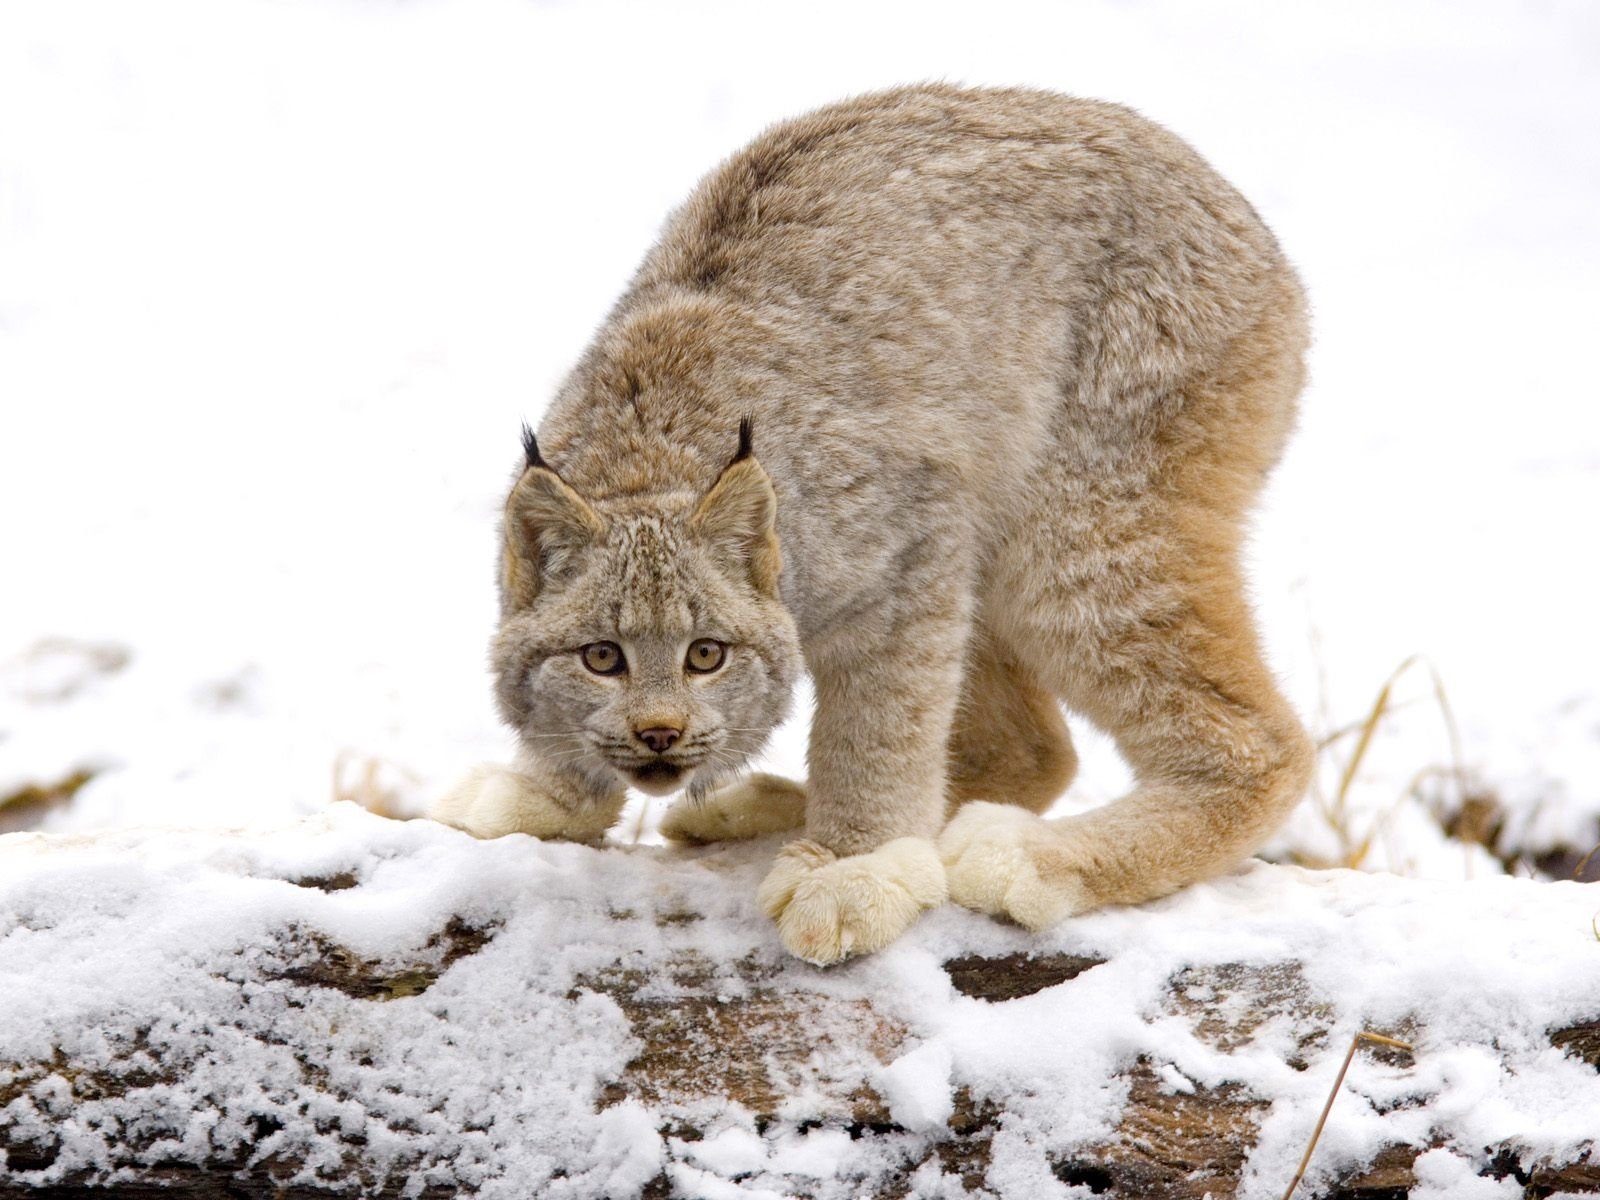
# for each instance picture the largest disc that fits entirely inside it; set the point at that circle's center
(729, 1064)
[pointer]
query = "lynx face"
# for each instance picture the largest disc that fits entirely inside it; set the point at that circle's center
(644, 641)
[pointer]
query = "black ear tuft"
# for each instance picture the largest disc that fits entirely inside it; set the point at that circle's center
(530, 447)
(746, 427)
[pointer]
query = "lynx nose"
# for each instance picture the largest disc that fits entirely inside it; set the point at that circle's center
(660, 738)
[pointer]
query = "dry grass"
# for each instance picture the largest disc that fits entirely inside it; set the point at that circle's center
(1370, 1038)
(376, 784)
(26, 807)
(1354, 825)
(1468, 811)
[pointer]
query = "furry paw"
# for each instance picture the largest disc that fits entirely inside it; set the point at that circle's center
(751, 808)
(829, 908)
(1006, 861)
(493, 801)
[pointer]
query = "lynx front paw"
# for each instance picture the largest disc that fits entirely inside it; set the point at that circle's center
(1006, 861)
(828, 908)
(751, 808)
(493, 801)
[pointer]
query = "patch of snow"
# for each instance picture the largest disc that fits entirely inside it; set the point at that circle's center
(917, 1088)
(1443, 1175)
(731, 1151)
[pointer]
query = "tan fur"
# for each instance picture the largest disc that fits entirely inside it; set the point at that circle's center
(1008, 738)
(1017, 365)
(755, 806)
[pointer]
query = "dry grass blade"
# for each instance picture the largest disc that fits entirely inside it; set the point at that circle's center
(372, 782)
(1583, 863)
(1339, 813)
(27, 807)
(1354, 855)
(1376, 1039)
(1369, 727)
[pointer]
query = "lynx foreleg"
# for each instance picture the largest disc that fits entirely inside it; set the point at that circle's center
(868, 866)
(532, 797)
(752, 807)
(828, 908)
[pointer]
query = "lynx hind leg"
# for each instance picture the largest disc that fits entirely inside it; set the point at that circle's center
(1142, 626)
(752, 807)
(1009, 743)
(1218, 756)
(997, 860)
(1010, 748)
(492, 801)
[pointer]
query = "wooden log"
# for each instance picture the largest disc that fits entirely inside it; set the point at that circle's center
(701, 1043)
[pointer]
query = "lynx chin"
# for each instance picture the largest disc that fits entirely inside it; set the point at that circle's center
(956, 400)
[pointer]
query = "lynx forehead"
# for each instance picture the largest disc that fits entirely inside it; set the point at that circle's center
(956, 399)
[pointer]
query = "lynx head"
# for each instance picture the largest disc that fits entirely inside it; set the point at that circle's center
(644, 639)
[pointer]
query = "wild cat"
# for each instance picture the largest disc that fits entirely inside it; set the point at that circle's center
(956, 400)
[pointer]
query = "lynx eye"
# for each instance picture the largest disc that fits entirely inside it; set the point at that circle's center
(705, 656)
(603, 658)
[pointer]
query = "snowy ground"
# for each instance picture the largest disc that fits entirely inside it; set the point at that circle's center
(278, 282)
(146, 955)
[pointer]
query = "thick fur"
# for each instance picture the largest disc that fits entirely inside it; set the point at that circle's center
(1017, 365)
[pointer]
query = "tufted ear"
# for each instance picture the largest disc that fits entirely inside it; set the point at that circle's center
(547, 525)
(738, 518)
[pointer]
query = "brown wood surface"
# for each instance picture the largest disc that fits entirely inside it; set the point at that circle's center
(702, 1043)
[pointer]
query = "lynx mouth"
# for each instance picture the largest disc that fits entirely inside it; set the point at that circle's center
(658, 778)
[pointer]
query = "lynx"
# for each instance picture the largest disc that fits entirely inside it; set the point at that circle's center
(956, 400)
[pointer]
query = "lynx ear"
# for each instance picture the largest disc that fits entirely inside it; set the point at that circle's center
(547, 523)
(738, 518)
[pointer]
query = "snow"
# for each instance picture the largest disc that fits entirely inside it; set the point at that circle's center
(1442, 1175)
(917, 1087)
(735, 1152)
(136, 948)
(278, 284)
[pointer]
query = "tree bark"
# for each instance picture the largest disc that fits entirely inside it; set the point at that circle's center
(701, 1044)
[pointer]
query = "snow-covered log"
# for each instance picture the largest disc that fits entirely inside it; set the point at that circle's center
(382, 1008)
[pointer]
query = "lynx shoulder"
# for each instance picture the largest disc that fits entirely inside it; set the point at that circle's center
(955, 399)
